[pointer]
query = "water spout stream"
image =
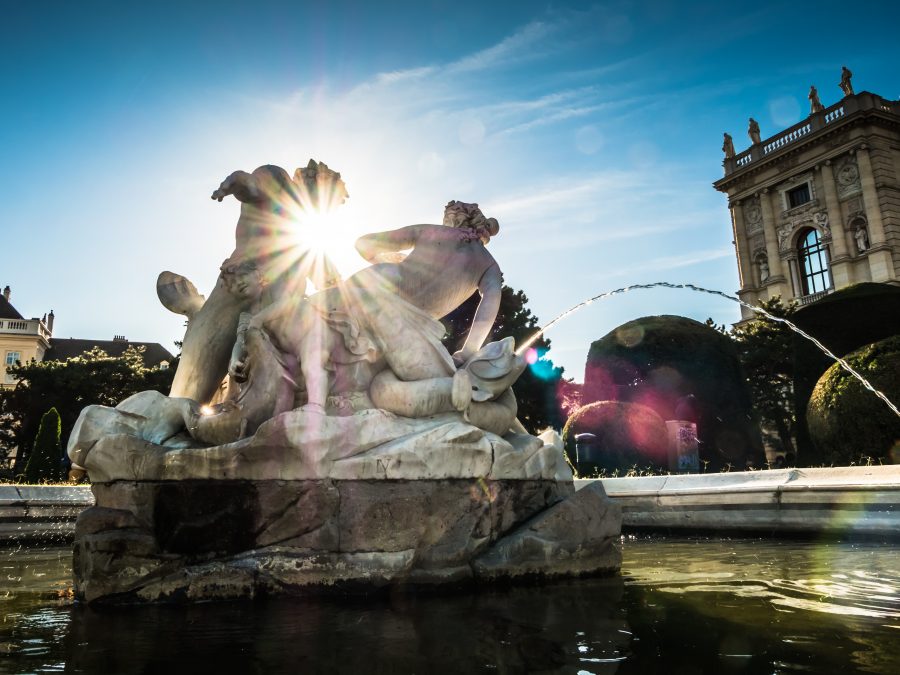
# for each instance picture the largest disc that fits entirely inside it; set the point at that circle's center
(759, 310)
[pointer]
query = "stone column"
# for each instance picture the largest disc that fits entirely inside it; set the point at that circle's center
(745, 266)
(841, 273)
(770, 232)
(796, 286)
(881, 265)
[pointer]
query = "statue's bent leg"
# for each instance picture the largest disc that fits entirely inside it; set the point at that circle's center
(207, 346)
(496, 416)
(421, 397)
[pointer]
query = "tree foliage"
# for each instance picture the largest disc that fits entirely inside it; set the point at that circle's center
(69, 386)
(541, 389)
(767, 355)
(45, 461)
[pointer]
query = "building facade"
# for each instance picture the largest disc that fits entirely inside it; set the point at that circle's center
(816, 207)
(22, 340)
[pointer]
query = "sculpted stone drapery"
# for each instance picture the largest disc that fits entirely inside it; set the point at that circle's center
(348, 446)
(370, 342)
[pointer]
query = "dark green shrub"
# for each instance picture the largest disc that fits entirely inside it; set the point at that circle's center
(627, 435)
(681, 369)
(846, 421)
(45, 462)
(843, 321)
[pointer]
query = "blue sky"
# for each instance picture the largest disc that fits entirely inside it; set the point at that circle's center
(592, 131)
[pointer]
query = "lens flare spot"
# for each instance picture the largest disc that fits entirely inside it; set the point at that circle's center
(531, 357)
(630, 336)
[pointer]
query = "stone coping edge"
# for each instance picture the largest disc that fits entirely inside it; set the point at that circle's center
(36, 495)
(853, 478)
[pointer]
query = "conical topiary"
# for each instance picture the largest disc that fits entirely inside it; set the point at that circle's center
(45, 462)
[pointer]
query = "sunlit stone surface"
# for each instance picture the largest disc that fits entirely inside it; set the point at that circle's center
(345, 448)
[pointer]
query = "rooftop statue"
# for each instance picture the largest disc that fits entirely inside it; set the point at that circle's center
(846, 85)
(815, 105)
(753, 131)
(728, 146)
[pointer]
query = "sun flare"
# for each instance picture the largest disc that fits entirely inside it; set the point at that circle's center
(329, 233)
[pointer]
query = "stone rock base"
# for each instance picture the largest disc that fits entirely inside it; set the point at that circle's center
(156, 541)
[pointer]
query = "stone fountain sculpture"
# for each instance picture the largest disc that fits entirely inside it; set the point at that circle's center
(330, 441)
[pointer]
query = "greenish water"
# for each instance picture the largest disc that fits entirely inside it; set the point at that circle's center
(682, 606)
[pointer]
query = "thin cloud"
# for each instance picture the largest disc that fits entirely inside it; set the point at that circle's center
(407, 75)
(518, 46)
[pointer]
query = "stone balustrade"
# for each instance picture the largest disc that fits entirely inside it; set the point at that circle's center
(25, 327)
(838, 112)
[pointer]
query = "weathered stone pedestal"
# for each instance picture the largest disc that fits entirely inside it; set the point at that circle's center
(209, 539)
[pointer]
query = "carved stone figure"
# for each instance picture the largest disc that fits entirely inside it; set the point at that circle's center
(262, 237)
(753, 215)
(763, 269)
(815, 105)
(784, 236)
(352, 447)
(753, 131)
(847, 177)
(821, 219)
(846, 85)
(861, 235)
(728, 146)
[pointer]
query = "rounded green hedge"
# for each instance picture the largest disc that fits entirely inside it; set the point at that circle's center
(846, 421)
(662, 362)
(628, 434)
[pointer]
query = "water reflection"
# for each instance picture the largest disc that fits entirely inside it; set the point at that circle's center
(682, 606)
(769, 606)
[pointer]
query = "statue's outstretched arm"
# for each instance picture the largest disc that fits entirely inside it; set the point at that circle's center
(242, 185)
(371, 246)
(490, 287)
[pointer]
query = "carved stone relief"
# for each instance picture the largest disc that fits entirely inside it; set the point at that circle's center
(818, 220)
(752, 215)
(821, 220)
(847, 177)
(784, 236)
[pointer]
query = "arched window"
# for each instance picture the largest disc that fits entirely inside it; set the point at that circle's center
(813, 257)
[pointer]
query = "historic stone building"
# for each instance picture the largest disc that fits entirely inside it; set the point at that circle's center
(22, 340)
(816, 207)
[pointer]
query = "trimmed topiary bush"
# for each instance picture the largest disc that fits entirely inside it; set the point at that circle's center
(843, 321)
(45, 461)
(681, 369)
(845, 420)
(627, 435)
